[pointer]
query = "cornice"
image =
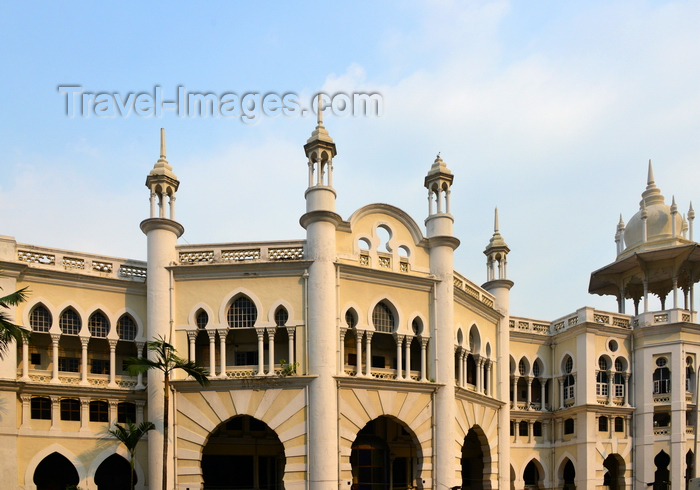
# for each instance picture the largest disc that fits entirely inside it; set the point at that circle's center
(386, 384)
(477, 398)
(281, 268)
(385, 278)
(314, 216)
(150, 224)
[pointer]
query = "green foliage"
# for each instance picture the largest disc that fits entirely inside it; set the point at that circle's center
(8, 330)
(130, 435)
(288, 369)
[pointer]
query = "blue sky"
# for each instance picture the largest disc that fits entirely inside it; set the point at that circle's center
(548, 110)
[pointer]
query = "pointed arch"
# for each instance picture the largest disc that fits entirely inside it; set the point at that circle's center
(94, 323)
(351, 306)
(192, 315)
(33, 303)
(541, 469)
(234, 295)
(291, 318)
(78, 311)
(561, 465)
(422, 323)
(47, 451)
(118, 450)
(391, 305)
(474, 339)
(563, 360)
(140, 332)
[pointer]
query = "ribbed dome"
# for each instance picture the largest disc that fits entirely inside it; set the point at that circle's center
(659, 224)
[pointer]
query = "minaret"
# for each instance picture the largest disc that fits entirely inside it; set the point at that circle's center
(442, 246)
(162, 232)
(499, 285)
(620, 236)
(320, 222)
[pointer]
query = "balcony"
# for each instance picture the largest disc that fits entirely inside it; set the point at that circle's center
(664, 317)
(94, 380)
(240, 253)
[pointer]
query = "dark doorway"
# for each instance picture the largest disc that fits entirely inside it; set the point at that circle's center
(55, 472)
(569, 476)
(531, 476)
(243, 453)
(472, 462)
(113, 474)
(614, 472)
(662, 476)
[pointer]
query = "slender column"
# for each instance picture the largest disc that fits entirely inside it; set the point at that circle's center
(319, 172)
(358, 352)
(423, 365)
(191, 337)
(488, 389)
(172, 207)
(152, 200)
(112, 362)
(516, 430)
(561, 392)
(529, 392)
(271, 349)
(84, 360)
(261, 351)
(409, 339)
(529, 431)
(54, 357)
(646, 295)
(139, 377)
(330, 173)
(84, 414)
(447, 201)
(368, 353)
(290, 335)
(222, 351)
(610, 387)
(112, 416)
(25, 359)
(479, 375)
(463, 369)
(26, 410)
(514, 404)
(212, 352)
(139, 411)
(675, 290)
(55, 412)
(430, 202)
(399, 350)
(311, 173)
(626, 390)
(460, 373)
(341, 351)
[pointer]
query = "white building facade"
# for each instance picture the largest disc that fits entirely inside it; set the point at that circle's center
(356, 358)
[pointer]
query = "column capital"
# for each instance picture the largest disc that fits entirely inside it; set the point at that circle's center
(112, 343)
(271, 332)
(212, 335)
(399, 337)
(54, 398)
(222, 332)
(113, 403)
(140, 403)
(55, 337)
(424, 340)
(84, 341)
(342, 330)
(291, 331)
(26, 398)
(191, 335)
(368, 335)
(260, 331)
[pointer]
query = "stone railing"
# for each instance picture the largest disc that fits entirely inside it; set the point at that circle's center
(662, 431)
(79, 263)
(662, 398)
(241, 253)
(655, 318)
(590, 315)
(95, 380)
(529, 325)
(477, 292)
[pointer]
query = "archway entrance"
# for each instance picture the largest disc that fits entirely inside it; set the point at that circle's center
(662, 476)
(614, 472)
(531, 476)
(55, 472)
(384, 456)
(113, 474)
(568, 476)
(243, 454)
(473, 460)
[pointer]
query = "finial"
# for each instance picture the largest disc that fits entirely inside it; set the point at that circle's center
(495, 221)
(674, 208)
(438, 155)
(621, 224)
(162, 143)
(691, 211)
(320, 109)
(650, 175)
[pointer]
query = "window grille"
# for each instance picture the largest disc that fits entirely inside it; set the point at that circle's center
(521, 367)
(662, 380)
(619, 424)
(69, 364)
(202, 319)
(70, 409)
(98, 325)
(618, 365)
(350, 319)
(99, 411)
(601, 389)
(242, 313)
(569, 385)
(383, 318)
(126, 328)
(40, 319)
(619, 390)
(41, 408)
(281, 316)
(126, 411)
(602, 364)
(70, 322)
(568, 365)
(536, 369)
(603, 424)
(99, 366)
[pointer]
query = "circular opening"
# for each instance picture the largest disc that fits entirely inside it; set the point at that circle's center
(404, 251)
(661, 361)
(364, 244)
(612, 345)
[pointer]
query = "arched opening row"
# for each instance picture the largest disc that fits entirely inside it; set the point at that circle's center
(56, 472)
(383, 352)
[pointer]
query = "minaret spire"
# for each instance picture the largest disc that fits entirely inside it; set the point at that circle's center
(162, 143)
(320, 111)
(495, 221)
(650, 175)
(652, 194)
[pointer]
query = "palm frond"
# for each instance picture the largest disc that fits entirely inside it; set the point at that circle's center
(15, 298)
(199, 373)
(139, 365)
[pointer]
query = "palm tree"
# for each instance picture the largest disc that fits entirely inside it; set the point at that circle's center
(8, 330)
(130, 435)
(166, 360)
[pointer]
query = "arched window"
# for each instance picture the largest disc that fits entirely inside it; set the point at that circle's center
(568, 365)
(98, 325)
(242, 313)
(281, 316)
(40, 319)
(417, 326)
(70, 322)
(569, 380)
(662, 377)
(521, 367)
(689, 372)
(601, 377)
(536, 369)
(383, 318)
(202, 319)
(126, 328)
(350, 318)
